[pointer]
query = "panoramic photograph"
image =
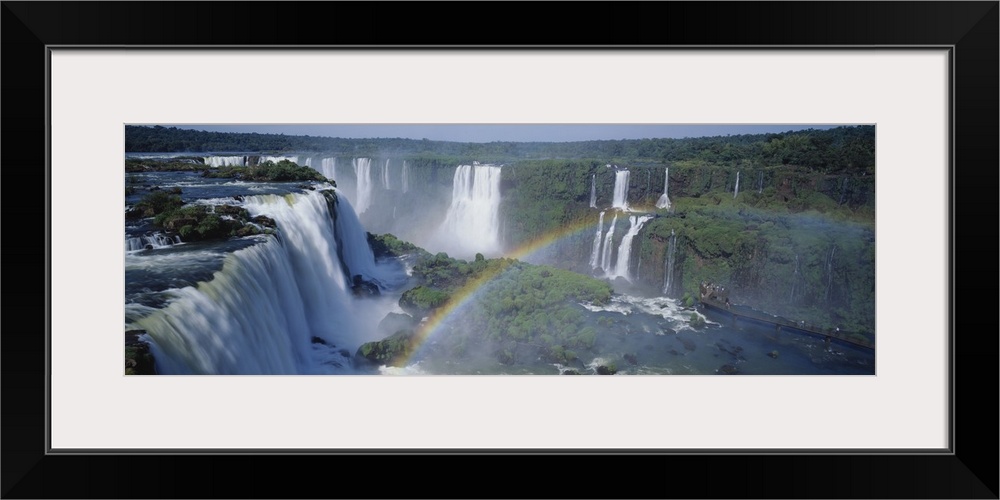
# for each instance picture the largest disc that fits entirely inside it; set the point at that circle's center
(476, 249)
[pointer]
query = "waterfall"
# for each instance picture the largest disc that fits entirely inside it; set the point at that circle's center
(625, 247)
(621, 190)
(355, 252)
(328, 167)
(668, 278)
(385, 176)
(362, 171)
(260, 312)
(152, 240)
(736, 189)
(595, 253)
(760, 183)
(606, 255)
(472, 222)
(664, 201)
(593, 191)
(226, 161)
(406, 176)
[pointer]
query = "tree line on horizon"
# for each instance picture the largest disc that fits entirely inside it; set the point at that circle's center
(841, 149)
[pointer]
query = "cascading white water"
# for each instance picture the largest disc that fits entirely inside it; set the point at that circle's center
(225, 161)
(328, 167)
(151, 240)
(259, 314)
(668, 265)
(664, 201)
(362, 171)
(606, 253)
(595, 253)
(385, 176)
(736, 189)
(406, 176)
(760, 183)
(593, 191)
(620, 200)
(355, 251)
(621, 268)
(472, 223)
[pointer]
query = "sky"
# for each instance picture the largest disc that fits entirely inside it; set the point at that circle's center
(515, 133)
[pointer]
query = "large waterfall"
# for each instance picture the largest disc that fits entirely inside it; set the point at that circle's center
(595, 253)
(606, 253)
(472, 222)
(363, 174)
(593, 191)
(226, 161)
(668, 265)
(276, 307)
(664, 201)
(621, 268)
(621, 190)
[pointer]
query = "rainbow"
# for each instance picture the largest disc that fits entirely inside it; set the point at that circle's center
(473, 288)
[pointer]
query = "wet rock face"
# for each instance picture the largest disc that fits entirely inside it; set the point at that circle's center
(362, 288)
(138, 359)
(391, 351)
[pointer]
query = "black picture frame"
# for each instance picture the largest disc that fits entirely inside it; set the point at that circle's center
(969, 470)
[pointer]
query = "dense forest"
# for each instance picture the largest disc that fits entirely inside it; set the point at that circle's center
(838, 150)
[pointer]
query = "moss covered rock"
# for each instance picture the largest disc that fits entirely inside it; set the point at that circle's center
(391, 351)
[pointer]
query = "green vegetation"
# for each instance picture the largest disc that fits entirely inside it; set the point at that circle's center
(155, 203)
(515, 307)
(804, 266)
(198, 222)
(268, 171)
(842, 149)
(391, 351)
(387, 245)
